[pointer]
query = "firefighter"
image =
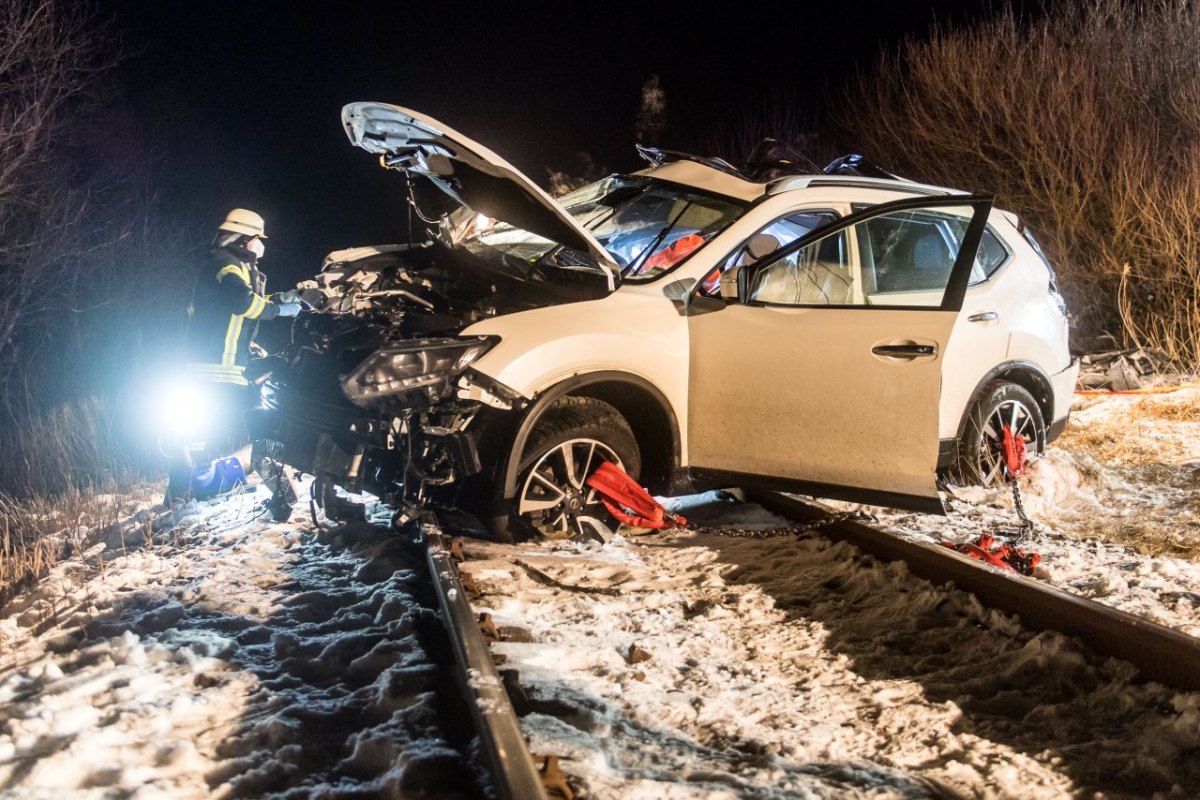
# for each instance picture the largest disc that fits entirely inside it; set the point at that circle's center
(226, 305)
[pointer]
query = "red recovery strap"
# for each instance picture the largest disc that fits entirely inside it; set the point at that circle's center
(1014, 454)
(626, 500)
(1006, 556)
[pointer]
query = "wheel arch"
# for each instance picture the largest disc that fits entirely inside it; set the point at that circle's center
(1028, 376)
(641, 403)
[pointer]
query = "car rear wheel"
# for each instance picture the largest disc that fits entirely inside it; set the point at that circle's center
(981, 449)
(574, 437)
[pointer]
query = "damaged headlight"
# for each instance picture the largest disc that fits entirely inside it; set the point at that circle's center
(421, 364)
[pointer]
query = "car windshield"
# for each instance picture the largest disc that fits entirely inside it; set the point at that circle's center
(647, 226)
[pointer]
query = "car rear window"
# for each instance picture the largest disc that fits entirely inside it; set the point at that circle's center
(992, 255)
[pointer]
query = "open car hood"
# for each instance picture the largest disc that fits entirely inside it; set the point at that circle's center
(467, 171)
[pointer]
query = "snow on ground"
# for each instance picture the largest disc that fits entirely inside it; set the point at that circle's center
(231, 657)
(1115, 503)
(790, 666)
(702, 665)
(235, 657)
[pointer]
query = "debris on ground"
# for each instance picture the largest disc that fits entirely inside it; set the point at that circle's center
(1126, 370)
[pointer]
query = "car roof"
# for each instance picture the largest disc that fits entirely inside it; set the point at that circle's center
(715, 181)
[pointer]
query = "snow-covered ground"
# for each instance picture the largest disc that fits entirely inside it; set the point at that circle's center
(231, 656)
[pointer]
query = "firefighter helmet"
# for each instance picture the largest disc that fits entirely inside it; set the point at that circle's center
(245, 222)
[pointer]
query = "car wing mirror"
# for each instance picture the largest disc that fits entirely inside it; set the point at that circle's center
(677, 292)
(729, 283)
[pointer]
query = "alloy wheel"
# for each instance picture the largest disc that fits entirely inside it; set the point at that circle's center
(1015, 414)
(553, 495)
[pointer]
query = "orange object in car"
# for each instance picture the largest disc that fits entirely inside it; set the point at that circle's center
(673, 253)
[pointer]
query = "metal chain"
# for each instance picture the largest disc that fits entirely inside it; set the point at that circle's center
(768, 533)
(1026, 527)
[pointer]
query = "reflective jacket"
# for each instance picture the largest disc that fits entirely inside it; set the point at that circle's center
(227, 293)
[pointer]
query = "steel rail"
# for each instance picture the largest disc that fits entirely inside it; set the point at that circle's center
(516, 776)
(1159, 653)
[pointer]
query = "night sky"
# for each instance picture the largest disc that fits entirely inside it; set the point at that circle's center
(238, 103)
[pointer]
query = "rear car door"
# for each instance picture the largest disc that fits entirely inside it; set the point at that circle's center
(824, 373)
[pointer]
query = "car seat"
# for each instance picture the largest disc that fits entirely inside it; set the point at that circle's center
(930, 264)
(807, 277)
(757, 247)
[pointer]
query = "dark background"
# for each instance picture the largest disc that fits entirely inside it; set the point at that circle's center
(237, 104)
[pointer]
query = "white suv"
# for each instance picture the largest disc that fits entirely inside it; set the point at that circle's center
(841, 336)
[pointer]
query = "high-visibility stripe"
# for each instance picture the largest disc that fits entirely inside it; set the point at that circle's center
(219, 373)
(257, 304)
(234, 269)
(232, 334)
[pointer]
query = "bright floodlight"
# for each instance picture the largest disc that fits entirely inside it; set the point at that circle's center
(183, 409)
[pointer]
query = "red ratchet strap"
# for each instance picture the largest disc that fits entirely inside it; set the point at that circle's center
(627, 501)
(1005, 556)
(1014, 454)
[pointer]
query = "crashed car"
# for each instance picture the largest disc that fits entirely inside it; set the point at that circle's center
(836, 335)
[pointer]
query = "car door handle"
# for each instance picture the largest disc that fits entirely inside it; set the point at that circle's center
(904, 350)
(986, 316)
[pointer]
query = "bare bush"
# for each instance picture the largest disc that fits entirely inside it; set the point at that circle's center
(1087, 123)
(652, 113)
(584, 171)
(780, 116)
(49, 55)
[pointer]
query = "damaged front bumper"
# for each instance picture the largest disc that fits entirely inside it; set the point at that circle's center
(400, 454)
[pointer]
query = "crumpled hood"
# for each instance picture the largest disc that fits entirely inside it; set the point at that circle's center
(468, 172)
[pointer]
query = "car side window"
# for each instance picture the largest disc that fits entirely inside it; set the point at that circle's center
(779, 233)
(902, 258)
(819, 274)
(992, 255)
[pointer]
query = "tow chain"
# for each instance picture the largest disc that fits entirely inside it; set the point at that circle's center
(768, 533)
(1015, 466)
(1006, 555)
(1026, 526)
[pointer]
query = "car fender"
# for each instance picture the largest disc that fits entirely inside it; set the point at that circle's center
(1023, 373)
(657, 422)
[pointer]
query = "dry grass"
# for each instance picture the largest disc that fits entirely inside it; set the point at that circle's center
(1158, 529)
(1147, 470)
(36, 534)
(60, 475)
(70, 446)
(1142, 431)
(1177, 408)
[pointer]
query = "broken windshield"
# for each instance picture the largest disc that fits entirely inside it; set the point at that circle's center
(648, 227)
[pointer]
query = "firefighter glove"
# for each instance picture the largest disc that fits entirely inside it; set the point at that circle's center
(289, 309)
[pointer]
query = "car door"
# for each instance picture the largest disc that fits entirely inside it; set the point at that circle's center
(823, 370)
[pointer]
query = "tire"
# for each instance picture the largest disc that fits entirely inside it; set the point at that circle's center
(981, 449)
(575, 431)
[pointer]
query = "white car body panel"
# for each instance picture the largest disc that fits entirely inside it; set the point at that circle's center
(789, 400)
(636, 330)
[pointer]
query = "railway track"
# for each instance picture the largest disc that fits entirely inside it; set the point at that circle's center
(514, 774)
(1159, 654)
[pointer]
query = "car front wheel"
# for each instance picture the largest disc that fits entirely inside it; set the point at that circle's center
(573, 438)
(981, 449)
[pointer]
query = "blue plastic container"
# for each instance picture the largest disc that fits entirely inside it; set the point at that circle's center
(222, 475)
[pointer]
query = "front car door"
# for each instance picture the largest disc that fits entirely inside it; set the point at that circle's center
(824, 373)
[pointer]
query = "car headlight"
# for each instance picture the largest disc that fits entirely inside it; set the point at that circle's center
(421, 364)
